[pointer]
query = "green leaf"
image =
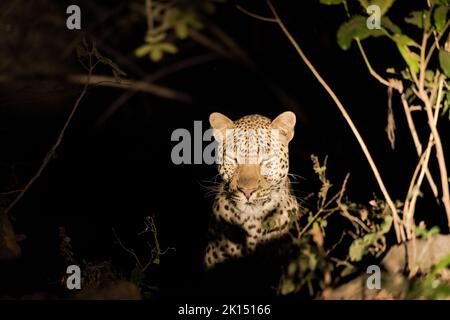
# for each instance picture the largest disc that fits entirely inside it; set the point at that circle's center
(386, 225)
(347, 271)
(156, 54)
(357, 250)
(331, 2)
(440, 2)
(168, 47)
(370, 238)
(143, 50)
(440, 17)
(390, 26)
(391, 70)
(404, 40)
(442, 264)
(356, 27)
(312, 262)
(444, 61)
(155, 38)
(411, 58)
(181, 30)
(420, 19)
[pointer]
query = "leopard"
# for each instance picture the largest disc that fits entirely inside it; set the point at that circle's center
(254, 202)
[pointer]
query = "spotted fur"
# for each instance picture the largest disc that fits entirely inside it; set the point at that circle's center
(254, 203)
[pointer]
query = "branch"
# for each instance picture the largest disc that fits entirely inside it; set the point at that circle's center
(49, 156)
(397, 222)
(130, 251)
(134, 85)
(440, 152)
(7, 193)
(436, 43)
(254, 15)
(418, 145)
(155, 76)
(149, 14)
(390, 84)
(414, 189)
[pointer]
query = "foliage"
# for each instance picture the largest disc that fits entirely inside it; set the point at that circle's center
(422, 80)
(170, 22)
(434, 285)
(316, 264)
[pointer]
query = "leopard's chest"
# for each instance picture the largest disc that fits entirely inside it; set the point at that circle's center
(257, 221)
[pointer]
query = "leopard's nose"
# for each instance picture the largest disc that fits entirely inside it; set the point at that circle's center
(247, 192)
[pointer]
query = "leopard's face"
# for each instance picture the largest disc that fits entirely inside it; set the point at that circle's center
(253, 155)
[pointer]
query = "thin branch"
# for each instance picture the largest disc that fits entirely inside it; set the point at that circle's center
(440, 153)
(130, 251)
(418, 145)
(149, 14)
(423, 65)
(254, 15)
(414, 189)
(208, 43)
(337, 197)
(8, 193)
(49, 156)
(397, 222)
(135, 85)
(430, 53)
(373, 72)
(410, 207)
(157, 75)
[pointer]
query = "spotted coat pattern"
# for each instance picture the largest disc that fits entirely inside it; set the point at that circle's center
(240, 223)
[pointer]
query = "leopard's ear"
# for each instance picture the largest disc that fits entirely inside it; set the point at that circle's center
(285, 122)
(220, 123)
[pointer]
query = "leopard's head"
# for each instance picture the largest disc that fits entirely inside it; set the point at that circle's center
(253, 158)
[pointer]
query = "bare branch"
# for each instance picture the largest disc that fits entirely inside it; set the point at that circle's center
(254, 15)
(418, 145)
(49, 156)
(134, 85)
(399, 231)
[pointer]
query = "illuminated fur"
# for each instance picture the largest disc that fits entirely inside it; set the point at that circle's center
(254, 203)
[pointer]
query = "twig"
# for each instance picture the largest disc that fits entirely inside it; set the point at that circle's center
(372, 71)
(130, 251)
(414, 190)
(156, 252)
(430, 53)
(440, 153)
(149, 14)
(207, 42)
(418, 145)
(7, 193)
(337, 197)
(254, 15)
(399, 231)
(49, 156)
(157, 75)
(135, 85)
